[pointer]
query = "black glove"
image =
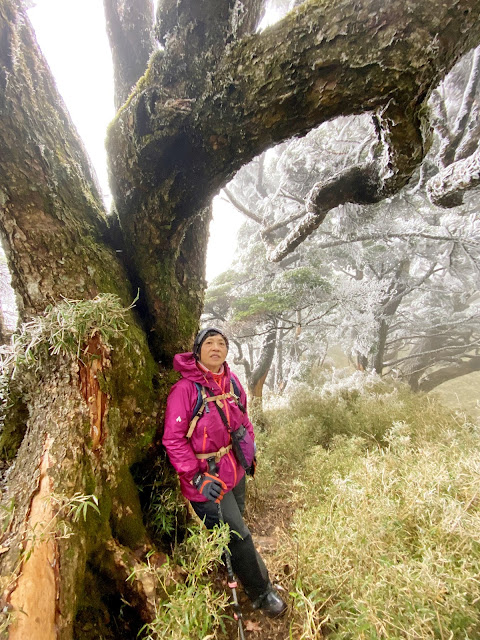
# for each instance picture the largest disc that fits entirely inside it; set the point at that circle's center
(251, 470)
(211, 487)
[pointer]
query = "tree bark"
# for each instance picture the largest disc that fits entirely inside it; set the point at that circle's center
(130, 32)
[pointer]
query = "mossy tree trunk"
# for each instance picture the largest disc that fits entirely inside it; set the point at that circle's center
(79, 421)
(214, 97)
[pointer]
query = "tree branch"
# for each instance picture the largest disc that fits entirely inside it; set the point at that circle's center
(440, 350)
(241, 360)
(447, 188)
(242, 208)
(358, 184)
(456, 370)
(465, 110)
(130, 33)
(440, 123)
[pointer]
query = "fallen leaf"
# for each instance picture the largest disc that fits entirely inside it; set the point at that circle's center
(251, 625)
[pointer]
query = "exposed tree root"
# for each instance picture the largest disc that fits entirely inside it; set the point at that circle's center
(127, 571)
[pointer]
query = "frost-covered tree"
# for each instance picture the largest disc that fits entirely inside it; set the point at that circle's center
(396, 249)
(420, 268)
(265, 307)
(199, 94)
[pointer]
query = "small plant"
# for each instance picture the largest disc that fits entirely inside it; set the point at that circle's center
(7, 618)
(63, 329)
(164, 509)
(7, 511)
(193, 609)
(68, 509)
(77, 506)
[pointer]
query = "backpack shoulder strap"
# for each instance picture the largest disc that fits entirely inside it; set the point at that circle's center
(235, 391)
(199, 401)
(203, 399)
(198, 409)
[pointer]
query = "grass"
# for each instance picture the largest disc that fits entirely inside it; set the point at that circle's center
(386, 534)
(193, 609)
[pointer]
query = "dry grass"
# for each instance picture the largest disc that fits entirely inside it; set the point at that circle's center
(386, 536)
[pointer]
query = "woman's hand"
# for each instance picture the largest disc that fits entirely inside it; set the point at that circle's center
(210, 486)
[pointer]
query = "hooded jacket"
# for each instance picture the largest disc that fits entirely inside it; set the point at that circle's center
(210, 433)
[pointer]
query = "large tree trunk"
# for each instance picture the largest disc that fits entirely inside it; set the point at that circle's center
(216, 96)
(92, 408)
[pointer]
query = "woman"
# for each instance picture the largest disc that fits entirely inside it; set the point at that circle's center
(201, 448)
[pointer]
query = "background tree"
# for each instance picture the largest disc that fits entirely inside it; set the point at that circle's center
(213, 97)
(264, 307)
(405, 247)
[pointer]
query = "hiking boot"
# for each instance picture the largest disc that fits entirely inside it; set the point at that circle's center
(270, 603)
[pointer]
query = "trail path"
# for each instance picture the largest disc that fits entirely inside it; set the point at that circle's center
(267, 522)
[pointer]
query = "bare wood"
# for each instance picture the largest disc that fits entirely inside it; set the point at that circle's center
(34, 596)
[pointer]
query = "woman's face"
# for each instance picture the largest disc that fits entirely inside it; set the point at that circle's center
(213, 352)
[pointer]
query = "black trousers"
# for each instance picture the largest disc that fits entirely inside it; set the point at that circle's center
(246, 561)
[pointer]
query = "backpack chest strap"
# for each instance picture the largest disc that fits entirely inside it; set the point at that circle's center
(204, 407)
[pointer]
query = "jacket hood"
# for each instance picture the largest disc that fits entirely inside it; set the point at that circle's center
(186, 365)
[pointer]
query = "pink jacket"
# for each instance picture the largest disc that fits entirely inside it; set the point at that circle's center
(210, 433)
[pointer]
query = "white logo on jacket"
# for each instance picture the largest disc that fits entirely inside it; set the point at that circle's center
(178, 419)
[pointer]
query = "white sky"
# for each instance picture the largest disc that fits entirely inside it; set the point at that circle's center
(71, 34)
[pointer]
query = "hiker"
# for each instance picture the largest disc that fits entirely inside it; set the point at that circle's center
(205, 418)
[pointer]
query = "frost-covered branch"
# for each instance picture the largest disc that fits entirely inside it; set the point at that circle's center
(357, 184)
(241, 207)
(447, 188)
(398, 155)
(460, 126)
(443, 349)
